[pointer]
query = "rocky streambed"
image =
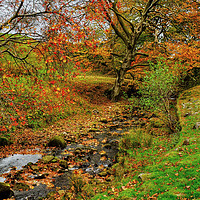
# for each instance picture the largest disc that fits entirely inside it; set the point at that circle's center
(93, 153)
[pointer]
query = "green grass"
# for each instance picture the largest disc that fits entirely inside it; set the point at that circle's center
(94, 79)
(171, 168)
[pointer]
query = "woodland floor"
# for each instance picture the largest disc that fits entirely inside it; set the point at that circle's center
(165, 161)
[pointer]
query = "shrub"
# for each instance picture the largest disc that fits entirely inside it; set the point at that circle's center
(156, 89)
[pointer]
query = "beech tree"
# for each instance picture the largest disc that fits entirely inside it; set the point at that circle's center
(128, 20)
(167, 22)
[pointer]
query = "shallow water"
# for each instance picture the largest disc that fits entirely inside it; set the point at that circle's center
(18, 161)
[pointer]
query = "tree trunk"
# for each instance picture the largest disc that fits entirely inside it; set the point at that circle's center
(116, 90)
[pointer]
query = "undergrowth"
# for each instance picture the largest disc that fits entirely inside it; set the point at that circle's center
(166, 168)
(30, 99)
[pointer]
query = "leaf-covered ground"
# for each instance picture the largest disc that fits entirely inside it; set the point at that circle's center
(168, 169)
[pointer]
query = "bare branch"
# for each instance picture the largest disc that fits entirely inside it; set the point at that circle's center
(119, 17)
(117, 55)
(142, 54)
(108, 18)
(13, 17)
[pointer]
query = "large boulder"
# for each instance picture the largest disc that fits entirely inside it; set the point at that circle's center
(57, 141)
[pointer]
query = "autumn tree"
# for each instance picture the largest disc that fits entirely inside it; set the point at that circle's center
(26, 23)
(66, 35)
(130, 21)
(35, 34)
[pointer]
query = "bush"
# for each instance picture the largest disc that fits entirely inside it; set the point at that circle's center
(158, 86)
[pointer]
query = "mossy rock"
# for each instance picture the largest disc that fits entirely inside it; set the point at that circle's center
(63, 164)
(55, 160)
(57, 141)
(94, 130)
(21, 186)
(35, 168)
(47, 159)
(144, 176)
(5, 191)
(4, 141)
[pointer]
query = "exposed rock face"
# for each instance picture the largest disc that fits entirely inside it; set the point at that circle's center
(36, 193)
(197, 125)
(186, 142)
(144, 176)
(21, 186)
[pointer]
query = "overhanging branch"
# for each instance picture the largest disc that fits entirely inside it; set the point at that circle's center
(13, 17)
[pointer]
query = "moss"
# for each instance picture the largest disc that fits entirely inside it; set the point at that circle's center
(47, 159)
(35, 168)
(57, 141)
(5, 191)
(21, 186)
(63, 164)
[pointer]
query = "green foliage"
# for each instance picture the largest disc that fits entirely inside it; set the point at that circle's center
(135, 139)
(173, 165)
(157, 87)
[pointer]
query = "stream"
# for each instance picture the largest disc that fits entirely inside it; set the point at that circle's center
(95, 156)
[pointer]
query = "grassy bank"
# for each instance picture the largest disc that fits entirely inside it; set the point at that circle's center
(168, 169)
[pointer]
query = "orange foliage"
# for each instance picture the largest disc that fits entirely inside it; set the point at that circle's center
(75, 38)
